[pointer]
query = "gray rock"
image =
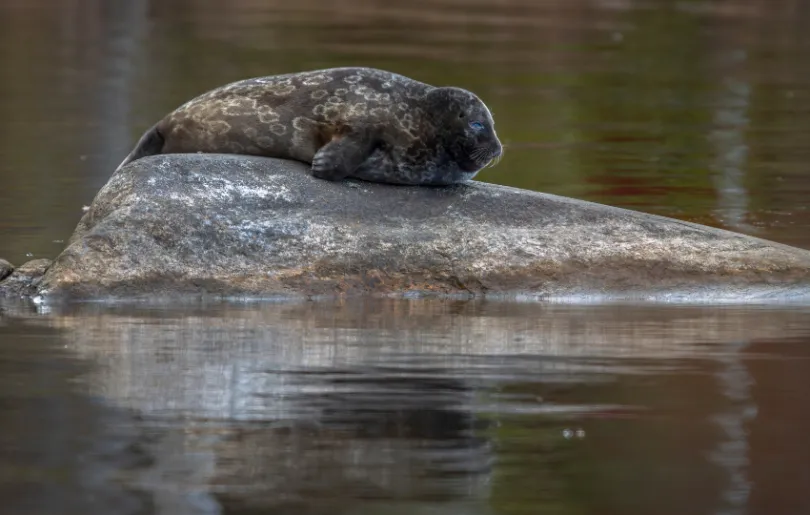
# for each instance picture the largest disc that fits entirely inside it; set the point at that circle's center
(241, 226)
(23, 280)
(5, 269)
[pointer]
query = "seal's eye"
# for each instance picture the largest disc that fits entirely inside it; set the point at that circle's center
(478, 126)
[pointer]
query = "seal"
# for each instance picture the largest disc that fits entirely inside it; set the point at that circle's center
(364, 123)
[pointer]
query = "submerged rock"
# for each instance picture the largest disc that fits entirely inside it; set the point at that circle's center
(22, 281)
(243, 226)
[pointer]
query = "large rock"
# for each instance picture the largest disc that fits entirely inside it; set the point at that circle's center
(232, 225)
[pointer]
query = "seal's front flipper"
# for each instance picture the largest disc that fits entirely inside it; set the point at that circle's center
(340, 157)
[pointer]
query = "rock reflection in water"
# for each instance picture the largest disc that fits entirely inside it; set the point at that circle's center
(416, 406)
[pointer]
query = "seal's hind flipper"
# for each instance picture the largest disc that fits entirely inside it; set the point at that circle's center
(150, 144)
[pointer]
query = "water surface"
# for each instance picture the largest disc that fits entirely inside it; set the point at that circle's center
(405, 407)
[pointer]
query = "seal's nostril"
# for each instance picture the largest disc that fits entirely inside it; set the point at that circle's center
(497, 151)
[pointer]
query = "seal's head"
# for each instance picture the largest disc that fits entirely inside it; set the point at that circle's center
(465, 126)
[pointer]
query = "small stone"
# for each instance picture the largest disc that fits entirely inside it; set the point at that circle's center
(5, 269)
(35, 267)
(24, 278)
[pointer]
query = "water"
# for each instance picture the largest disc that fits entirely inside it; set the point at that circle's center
(695, 110)
(405, 407)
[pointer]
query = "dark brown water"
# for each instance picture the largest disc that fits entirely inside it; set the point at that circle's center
(405, 407)
(695, 110)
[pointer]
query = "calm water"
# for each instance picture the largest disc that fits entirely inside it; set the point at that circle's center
(695, 110)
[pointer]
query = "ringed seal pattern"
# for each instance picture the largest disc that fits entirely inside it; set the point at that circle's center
(364, 123)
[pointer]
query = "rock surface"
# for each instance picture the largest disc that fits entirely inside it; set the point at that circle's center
(241, 226)
(22, 281)
(5, 269)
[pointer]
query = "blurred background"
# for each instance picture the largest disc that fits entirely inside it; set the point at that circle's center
(690, 109)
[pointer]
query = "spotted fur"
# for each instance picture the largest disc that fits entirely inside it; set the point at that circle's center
(346, 122)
